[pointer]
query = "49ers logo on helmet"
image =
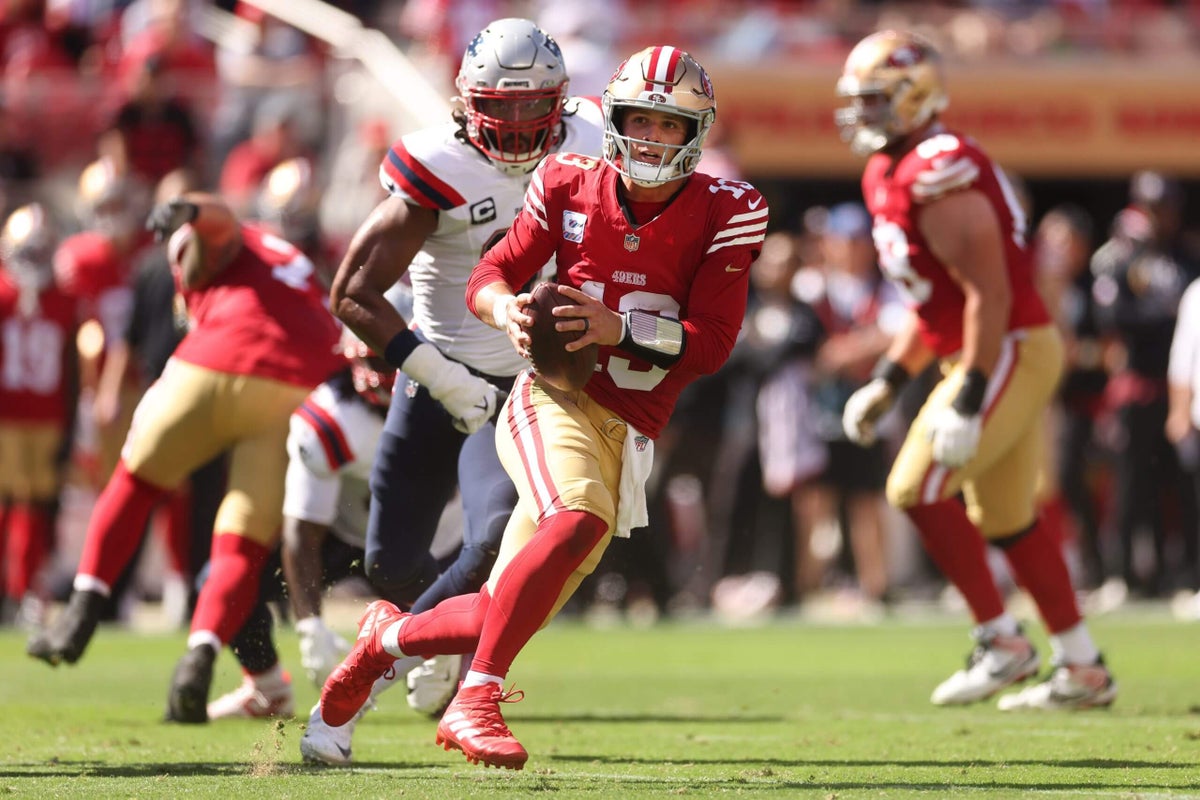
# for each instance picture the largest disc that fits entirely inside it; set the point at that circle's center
(904, 56)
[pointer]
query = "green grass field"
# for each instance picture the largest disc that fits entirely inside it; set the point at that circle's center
(686, 709)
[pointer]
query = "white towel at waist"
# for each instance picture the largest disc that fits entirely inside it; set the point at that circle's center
(637, 459)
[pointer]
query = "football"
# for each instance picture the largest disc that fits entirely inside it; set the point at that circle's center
(564, 370)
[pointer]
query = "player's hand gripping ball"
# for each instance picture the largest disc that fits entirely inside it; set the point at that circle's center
(562, 369)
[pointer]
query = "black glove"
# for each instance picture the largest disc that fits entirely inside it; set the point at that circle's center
(168, 217)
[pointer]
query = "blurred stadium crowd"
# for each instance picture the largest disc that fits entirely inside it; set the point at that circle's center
(758, 501)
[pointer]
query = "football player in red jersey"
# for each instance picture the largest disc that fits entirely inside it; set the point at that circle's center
(39, 387)
(656, 257)
(96, 265)
(260, 338)
(951, 235)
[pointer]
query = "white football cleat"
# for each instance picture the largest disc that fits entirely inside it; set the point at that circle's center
(1069, 686)
(432, 685)
(266, 697)
(996, 662)
(325, 744)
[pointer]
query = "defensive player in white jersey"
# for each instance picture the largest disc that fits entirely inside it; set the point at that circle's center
(453, 190)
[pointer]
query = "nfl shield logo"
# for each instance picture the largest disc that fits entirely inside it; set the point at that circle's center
(632, 242)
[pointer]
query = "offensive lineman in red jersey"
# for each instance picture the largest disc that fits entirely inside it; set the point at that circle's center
(260, 339)
(39, 391)
(656, 257)
(951, 235)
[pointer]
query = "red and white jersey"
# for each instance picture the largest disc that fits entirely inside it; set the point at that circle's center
(475, 202)
(691, 263)
(264, 315)
(34, 346)
(331, 446)
(88, 266)
(896, 192)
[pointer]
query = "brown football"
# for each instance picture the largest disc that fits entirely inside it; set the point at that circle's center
(560, 368)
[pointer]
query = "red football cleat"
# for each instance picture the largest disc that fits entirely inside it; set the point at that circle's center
(349, 685)
(473, 724)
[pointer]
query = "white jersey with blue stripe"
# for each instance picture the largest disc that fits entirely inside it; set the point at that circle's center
(475, 203)
(331, 446)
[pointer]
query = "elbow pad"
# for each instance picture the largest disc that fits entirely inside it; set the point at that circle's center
(658, 340)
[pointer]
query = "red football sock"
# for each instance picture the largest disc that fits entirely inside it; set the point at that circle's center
(228, 595)
(958, 549)
(12, 542)
(1038, 565)
(27, 547)
(177, 533)
(1058, 523)
(451, 627)
(117, 524)
(4, 506)
(530, 585)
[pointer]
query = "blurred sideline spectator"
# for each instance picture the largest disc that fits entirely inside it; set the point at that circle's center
(1140, 274)
(1062, 249)
(19, 167)
(436, 32)
(285, 65)
(586, 31)
(769, 452)
(859, 311)
(353, 187)
(169, 37)
(277, 136)
(152, 131)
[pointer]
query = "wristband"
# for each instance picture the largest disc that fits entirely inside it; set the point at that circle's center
(500, 311)
(400, 348)
(969, 400)
(658, 340)
(892, 373)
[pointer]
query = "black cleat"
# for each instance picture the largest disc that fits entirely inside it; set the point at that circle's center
(187, 701)
(68, 636)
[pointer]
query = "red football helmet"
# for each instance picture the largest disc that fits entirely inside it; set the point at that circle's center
(513, 84)
(373, 377)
